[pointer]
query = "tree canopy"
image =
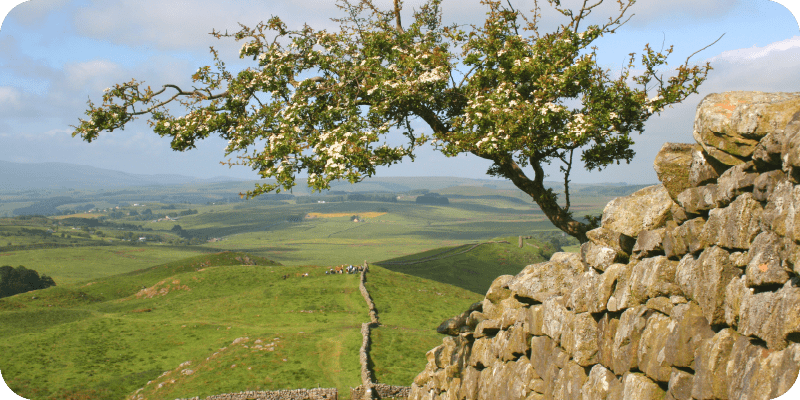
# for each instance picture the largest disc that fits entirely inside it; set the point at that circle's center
(21, 280)
(509, 103)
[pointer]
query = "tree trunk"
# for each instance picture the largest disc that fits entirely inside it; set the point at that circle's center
(544, 197)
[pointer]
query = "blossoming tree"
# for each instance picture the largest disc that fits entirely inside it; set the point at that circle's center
(507, 103)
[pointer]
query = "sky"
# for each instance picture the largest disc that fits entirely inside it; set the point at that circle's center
(57, 54)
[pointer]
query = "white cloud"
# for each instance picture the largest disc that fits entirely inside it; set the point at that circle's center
(753, 54)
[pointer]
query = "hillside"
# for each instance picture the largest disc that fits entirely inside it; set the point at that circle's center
(472, 266)
(19, 176)
(213, 324)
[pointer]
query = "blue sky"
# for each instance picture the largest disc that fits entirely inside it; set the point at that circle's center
(55, 54)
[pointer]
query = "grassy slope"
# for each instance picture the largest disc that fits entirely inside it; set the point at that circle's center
(72, 265)
(107, 338)
(476, 269)
(103, 341)
(409, 308)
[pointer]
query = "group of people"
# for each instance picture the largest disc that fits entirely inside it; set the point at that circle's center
(348, 269)
(343, 269)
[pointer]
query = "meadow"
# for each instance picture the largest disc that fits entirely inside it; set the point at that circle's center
(181, 314)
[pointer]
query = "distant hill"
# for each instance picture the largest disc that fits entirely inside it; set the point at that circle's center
(56, 176)
(19, 176)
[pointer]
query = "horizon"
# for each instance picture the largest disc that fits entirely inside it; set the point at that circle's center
(57, 59)
(334, 183)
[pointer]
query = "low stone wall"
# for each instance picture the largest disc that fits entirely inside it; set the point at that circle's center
(373, 312)
(382, 391)
(367, 375)
(294, 394)
(689, 289)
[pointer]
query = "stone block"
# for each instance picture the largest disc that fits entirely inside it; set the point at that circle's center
(703, 169)
(705, 281)
(535, 320)
(735, 226)
(710, 376)
(698, 200)
(621, 285)
(621, 243)
(679, 386)
(458, 324)
(614, 277)
(782, 212)
(790, 152)
(734, 293)
(584, 291)
(688, 329)
(649, 243)
(679, 214)
(580, 339)
(771, 316)
(646, 209)
(606, 332)
(636, 386)
(757, 373)
(651, 357)
(555, 277)
(767, 154)
(632, 323)
(766, 268)
(600, 257)
(765, 184)
(735, 181)
(683, 239)
(546, 357)
(516, 343)
(661, 304)
(653, 277)
(569, 382)
(672, 166)
(555, 318)
(601, 384)
(481, 355)
(729, 125)
(498, 290)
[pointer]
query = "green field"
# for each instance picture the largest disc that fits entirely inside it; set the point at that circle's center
(178, 310)
(172, 325)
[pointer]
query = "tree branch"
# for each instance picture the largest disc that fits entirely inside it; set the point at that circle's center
(397, 9)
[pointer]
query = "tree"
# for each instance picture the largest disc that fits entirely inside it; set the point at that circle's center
(21, 280)
(374, 75)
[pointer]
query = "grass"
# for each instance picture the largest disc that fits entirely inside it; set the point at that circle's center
(76, 264)
(207, 325)
(92, 337)
(410, 309)
(475, 269)
(109, 338)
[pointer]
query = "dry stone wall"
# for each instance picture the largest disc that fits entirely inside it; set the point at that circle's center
(294, 394)
(369, 389)
(689, 289)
